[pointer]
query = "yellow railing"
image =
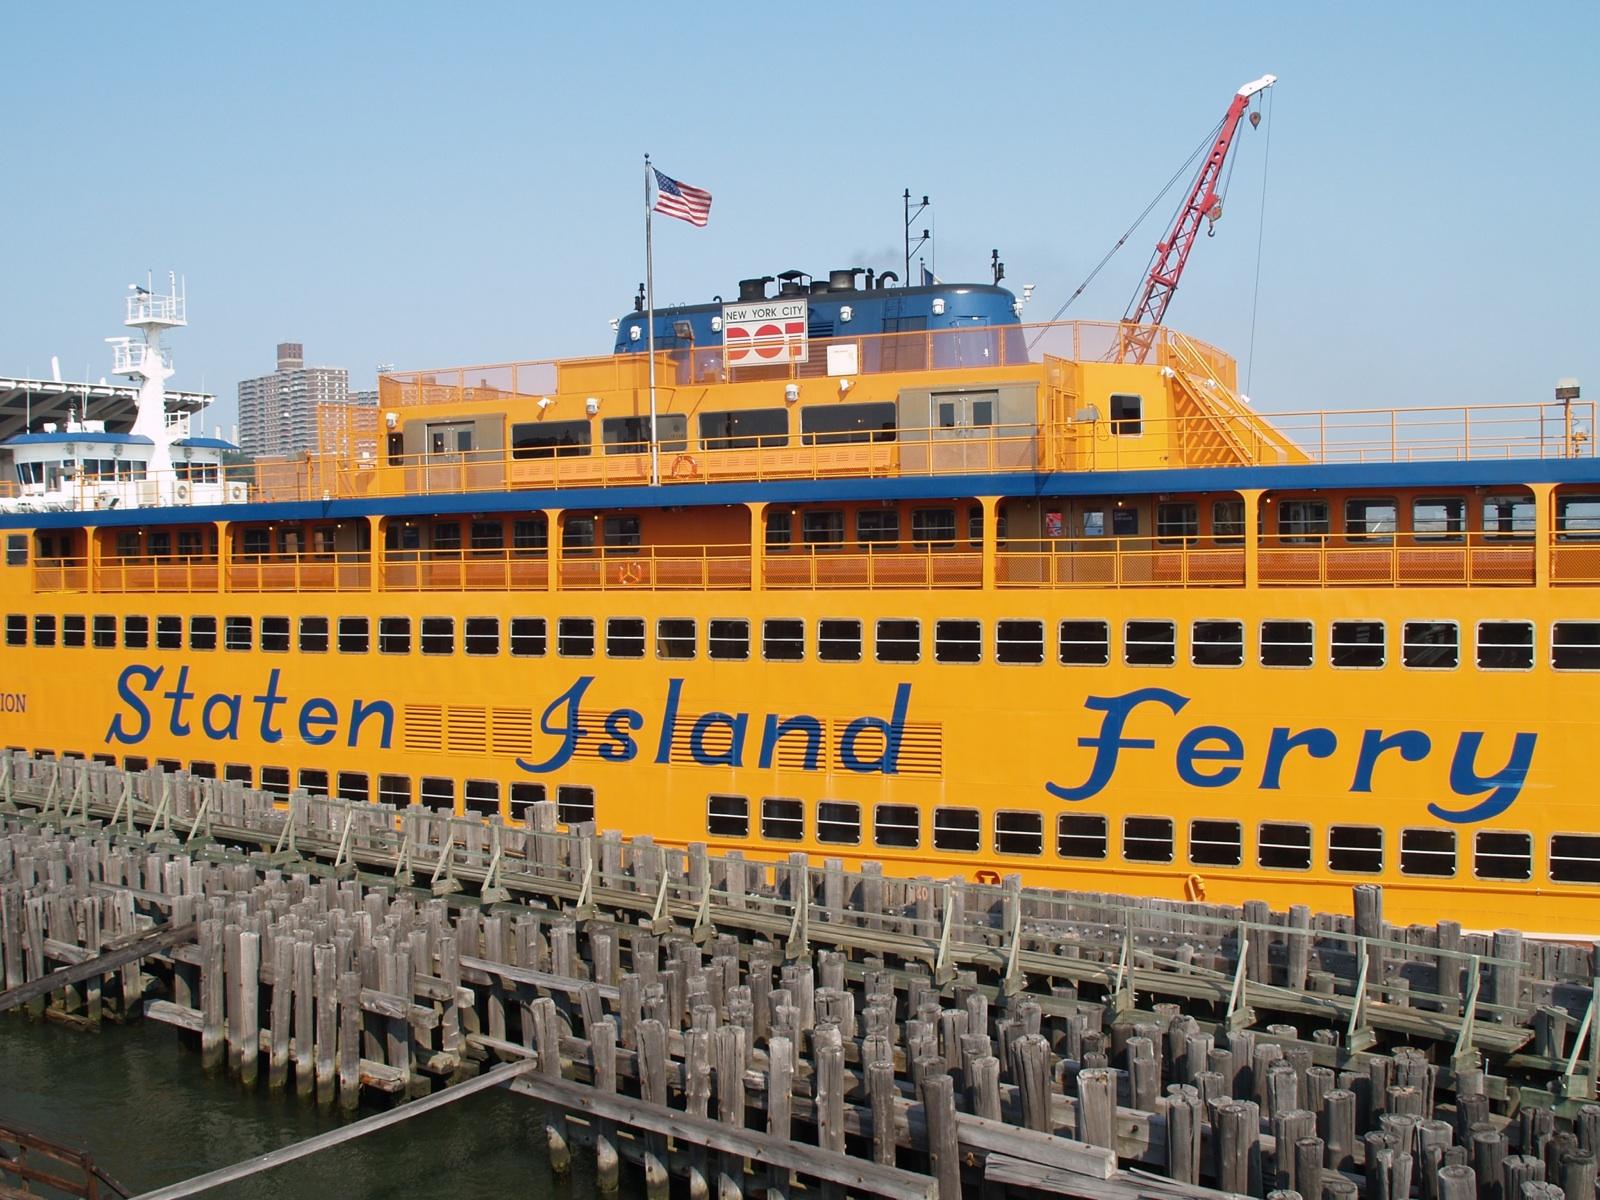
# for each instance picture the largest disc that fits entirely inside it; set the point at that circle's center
(1332, 560)
(340, 571)
(1120, 563)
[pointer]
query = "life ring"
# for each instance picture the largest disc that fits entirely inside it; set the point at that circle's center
(630, 573)
(682, 460)
(986, 876)
(1194, 888)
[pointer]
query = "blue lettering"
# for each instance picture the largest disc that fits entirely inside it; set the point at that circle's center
(1192, 750)
(179, 693)
(318, 721)
(618, 726)
(734, 723)
(1506, 782)
(1413, 745)
(117, 731)
(1319, 743)
(269, 701)
(669, 721)
(570, 729)
(228, 732)
(774, 729)
(893, 731)
(1110, 741)
(360, 710)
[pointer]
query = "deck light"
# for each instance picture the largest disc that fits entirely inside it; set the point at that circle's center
(791, 393)
(633, 333)
(391, 419)
(716, 324)
(592, 405)
(846, 312)
(938, 306)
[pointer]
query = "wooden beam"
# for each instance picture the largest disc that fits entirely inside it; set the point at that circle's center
(161, 938)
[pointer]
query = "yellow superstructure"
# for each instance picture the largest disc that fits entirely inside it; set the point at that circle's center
(1060, 609)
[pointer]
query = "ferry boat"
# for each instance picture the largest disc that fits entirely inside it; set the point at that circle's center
(914, 582)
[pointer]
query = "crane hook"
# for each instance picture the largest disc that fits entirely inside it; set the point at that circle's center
(1255, 119)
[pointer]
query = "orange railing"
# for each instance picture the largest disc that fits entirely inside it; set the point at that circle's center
(332, 571)
(1119, 563)
(874, 565)
(1333, 560)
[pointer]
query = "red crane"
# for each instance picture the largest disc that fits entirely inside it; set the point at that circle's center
(1203, 202)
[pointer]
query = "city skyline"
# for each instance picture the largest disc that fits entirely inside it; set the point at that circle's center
(431, 190)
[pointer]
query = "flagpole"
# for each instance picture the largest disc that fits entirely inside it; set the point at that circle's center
(650, 326)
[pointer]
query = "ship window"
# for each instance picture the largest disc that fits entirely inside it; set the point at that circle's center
(783, 640)
(877, 525)
(1019, 641)
(1439, 518)
(127, 544)
(1093, 522)
(438, 635)
(44, 630)
(481, 635)
(975, 525)
(354, 785)
(899, 640)
(728, 638)
(839, 822)
(202, 633)
(577, 534)
(394, 790)
(73, 631)
(1018, 833)
(933, 527)
(1227, 522)
(1085, 643)
(744, 430)
(203, 770)
(105, 631)
(897, 825)
(1303, 520)
(1430, 645)
(1150, 643)
(1215, 843)
(1369, 520)
(1358, 644)
(239, 773)
(1177, 523)
(1505, 645)
(523, 797)
(446, 535)
(1577, 518)
(625, 637)
(354, 635)
(135, 763)
(531, 534)
(1217, 644)
(575, 637)
(839, 423)
(957, 829)
(1575, 857)
(488, 535)
(275, 780)
(631, 435)
(728, 816)
(1502, 854)
(1284, 846)
(16, 550)
(169, 633)
(394, 635)
(1147, 839)
(275, 634)
(621, 533)
(170, 765)
(1127, 415)
(675, 637)
(780, 529)
(822, 528)
(314, 781)
(1510, 516)
(402, 537)
(313, 635)
(782, 819)
(481, 796)
(1575, 646)
(549, 439)
(839, 640)
(1428, 852)
(1355, 848)
(1287, 643)
(136, 632)
(527, 637)
(437, 793)
(958, 641)
(1081, 835)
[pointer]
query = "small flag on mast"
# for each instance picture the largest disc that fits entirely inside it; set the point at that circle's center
(679, 200)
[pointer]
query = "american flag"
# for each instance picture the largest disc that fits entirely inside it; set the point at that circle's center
(679, 200)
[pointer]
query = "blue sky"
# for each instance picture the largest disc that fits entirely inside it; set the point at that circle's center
(401, 183)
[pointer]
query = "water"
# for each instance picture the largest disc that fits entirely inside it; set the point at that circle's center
(137, 1100)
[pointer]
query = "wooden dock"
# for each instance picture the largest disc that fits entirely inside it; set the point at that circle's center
(766, 1027)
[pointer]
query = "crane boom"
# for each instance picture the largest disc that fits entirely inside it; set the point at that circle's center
(1202, 202)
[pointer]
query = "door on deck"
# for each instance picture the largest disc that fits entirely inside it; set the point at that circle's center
(962, 425)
